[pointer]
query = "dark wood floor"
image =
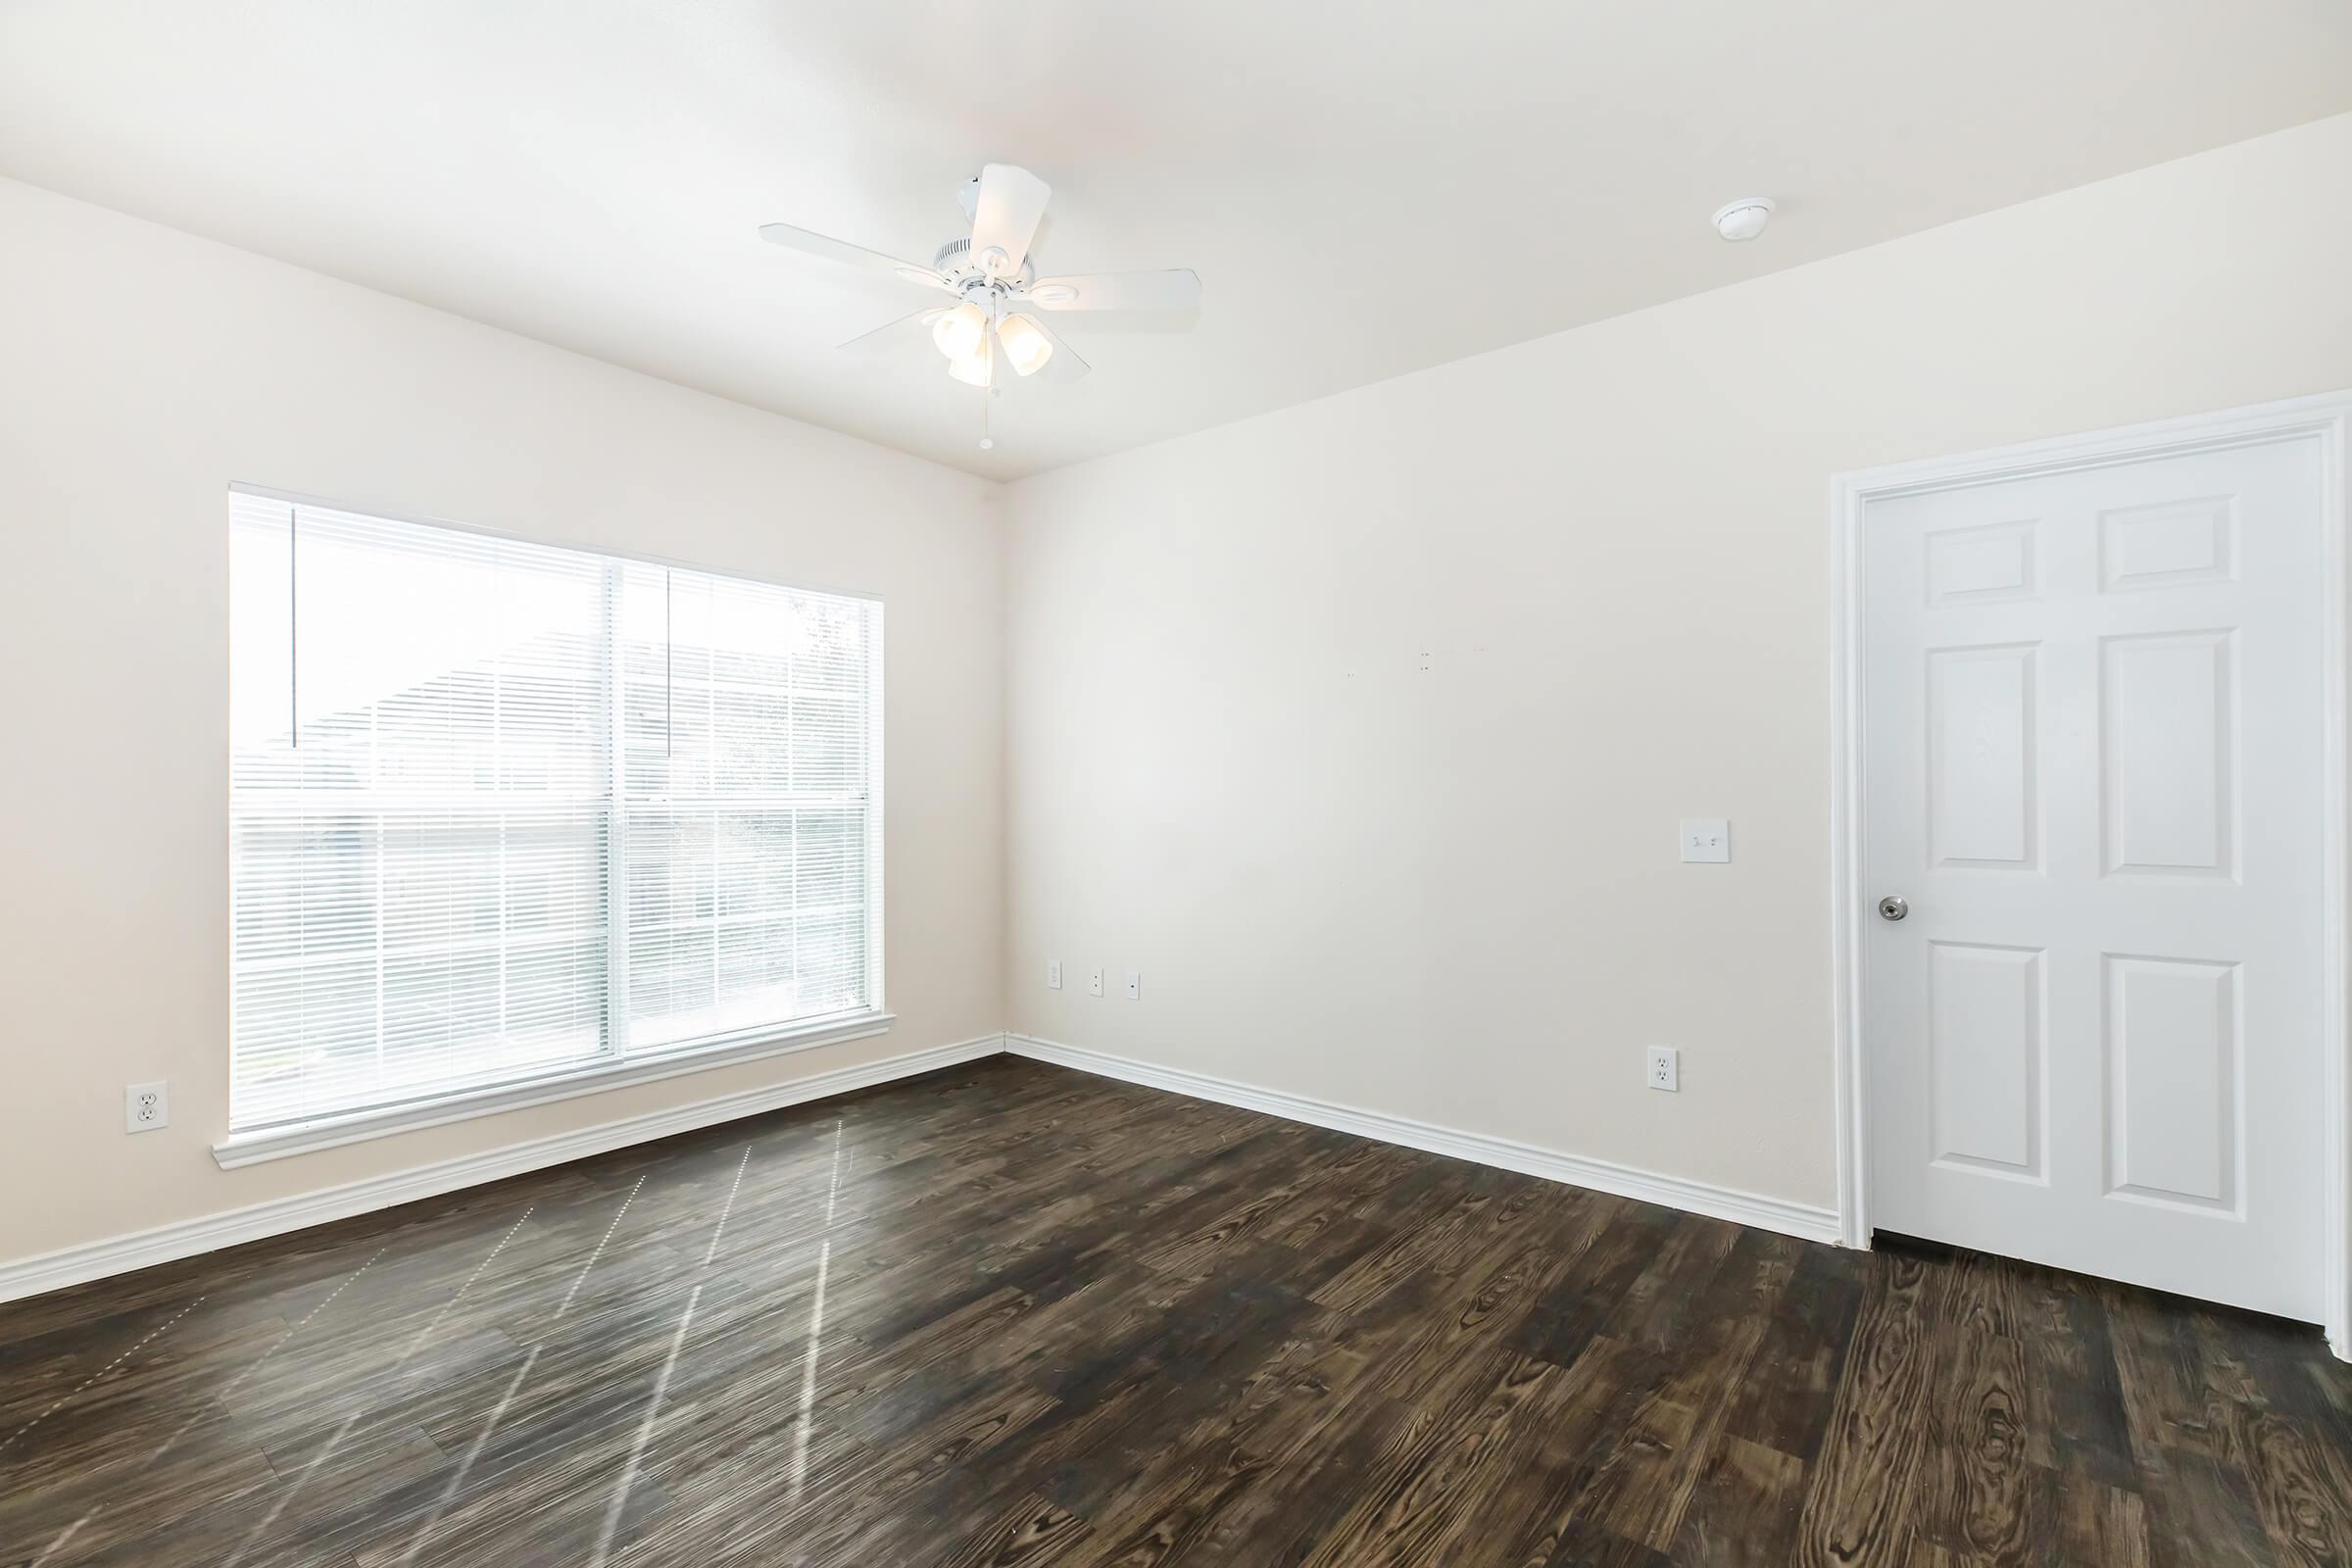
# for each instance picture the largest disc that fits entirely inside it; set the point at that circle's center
(1009, 1314)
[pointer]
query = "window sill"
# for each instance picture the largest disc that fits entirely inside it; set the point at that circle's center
(329, 1132)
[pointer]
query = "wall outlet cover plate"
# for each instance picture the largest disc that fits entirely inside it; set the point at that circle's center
(1662, 1069)
(146, 1106)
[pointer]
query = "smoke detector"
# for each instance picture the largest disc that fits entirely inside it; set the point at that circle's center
(1744, 218)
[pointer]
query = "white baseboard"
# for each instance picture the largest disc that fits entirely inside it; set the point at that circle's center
(1801, 1220)
(122, 1254)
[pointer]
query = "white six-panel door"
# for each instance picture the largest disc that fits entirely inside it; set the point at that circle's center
(2092, 770)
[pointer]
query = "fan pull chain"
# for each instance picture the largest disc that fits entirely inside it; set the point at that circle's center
(987, 392)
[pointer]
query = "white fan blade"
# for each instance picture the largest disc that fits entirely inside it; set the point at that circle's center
(1176, 289)
(841, 250)
(915, 328)
(1062, 365)
(1005, 220)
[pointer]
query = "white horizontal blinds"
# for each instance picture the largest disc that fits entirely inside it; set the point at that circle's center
(420, 810)
(747, 779)
(501, 810)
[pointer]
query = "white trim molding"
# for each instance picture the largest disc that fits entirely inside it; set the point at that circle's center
(1801, 1220)
(2327, 419)
(74, 1266)
(327, 1132)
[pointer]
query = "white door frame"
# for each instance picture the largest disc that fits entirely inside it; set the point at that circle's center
(2328, 419)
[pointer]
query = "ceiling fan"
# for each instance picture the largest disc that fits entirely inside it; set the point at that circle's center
(999, 302)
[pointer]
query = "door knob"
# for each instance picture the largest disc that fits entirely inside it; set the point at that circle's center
(1893, 906)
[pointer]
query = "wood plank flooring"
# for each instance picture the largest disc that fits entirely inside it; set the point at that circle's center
(1008, 1315)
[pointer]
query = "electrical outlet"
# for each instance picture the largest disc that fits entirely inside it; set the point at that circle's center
(146, 1106)
(1135, 986)
(1053, 975)
(1094, 986)
(1665, 1069)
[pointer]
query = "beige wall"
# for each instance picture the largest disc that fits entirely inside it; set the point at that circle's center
(142, 370)
(1362, 729)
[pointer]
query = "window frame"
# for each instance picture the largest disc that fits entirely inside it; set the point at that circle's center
(615, 1067)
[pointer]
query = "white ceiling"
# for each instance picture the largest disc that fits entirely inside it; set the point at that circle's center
(1365, 188)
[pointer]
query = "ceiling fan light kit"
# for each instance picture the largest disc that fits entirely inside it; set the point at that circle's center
(961, 331)
(970, 369)
(997, 292)
(1026, 345)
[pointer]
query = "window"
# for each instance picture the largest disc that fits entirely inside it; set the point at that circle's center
(502, 813)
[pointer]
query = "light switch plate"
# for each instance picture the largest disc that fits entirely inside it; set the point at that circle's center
(1706, 840)
(1053, 975)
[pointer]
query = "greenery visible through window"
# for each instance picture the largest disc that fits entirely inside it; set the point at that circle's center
(501, 810)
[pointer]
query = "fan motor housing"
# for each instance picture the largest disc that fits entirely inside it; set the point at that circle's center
(955, 262)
